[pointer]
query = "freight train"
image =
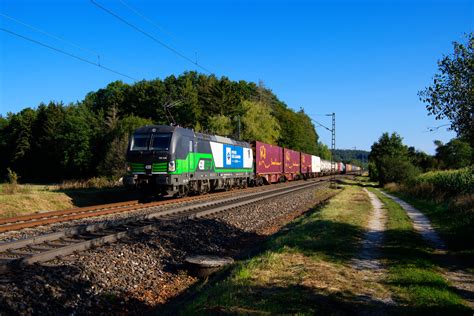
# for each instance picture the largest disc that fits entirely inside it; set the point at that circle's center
(172, 160)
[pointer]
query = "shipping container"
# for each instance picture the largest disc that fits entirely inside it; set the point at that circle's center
(315, 164)
(291, 165)
(326, 166)
(306, 162)
(348, 168)
(268, 161)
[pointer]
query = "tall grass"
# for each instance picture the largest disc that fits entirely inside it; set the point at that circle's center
(92, 183)
(447, 198)
(442, 185)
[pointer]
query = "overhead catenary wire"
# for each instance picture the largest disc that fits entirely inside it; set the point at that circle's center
(176, 52)
(66, 53)
(52, 36)
(128, 6)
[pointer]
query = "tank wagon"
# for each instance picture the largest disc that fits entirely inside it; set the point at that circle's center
(171, 160)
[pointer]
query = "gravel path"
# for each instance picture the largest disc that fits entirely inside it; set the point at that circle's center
(367, 260)
(373, 238)
(421, 223)
(461, 279)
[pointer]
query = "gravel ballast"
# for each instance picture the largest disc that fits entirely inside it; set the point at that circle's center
(140, 273)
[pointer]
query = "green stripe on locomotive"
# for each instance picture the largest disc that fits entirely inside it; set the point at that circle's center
(188, 165)
(191, 164)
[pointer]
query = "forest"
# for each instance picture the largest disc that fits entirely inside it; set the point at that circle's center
(55, 141)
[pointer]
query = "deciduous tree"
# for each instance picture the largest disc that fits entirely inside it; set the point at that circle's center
(451, 95)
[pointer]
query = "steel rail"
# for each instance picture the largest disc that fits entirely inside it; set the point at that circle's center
(39, 219)
(138, 225)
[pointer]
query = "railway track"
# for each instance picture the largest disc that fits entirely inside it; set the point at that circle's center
(18, 254)
(39, 219)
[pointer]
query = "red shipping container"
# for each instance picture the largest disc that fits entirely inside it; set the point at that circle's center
(268, 158)
(292, 161)
(305, 163)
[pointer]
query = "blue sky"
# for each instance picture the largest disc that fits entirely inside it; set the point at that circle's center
(364, 60)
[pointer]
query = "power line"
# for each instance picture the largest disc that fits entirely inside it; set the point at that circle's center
(66, 53)
(144, 17)
(52, 35)
(150, 36)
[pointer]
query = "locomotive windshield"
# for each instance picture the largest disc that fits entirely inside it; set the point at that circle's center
(159, 141)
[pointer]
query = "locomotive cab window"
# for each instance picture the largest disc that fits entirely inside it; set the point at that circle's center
(160, 141)
(139, 142)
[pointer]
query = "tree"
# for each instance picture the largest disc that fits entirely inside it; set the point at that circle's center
(74, 143)
(389, 160)
(258, 123)
(19, 141)
(89, 138)
(395, 169)
(455, 154)
(3, 145)
(47, 129)
(114, 163)
(421, 159)
(323, 151)
(220, 124)
(451, 95)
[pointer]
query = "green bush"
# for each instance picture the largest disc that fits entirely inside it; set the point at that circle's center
(395, 169)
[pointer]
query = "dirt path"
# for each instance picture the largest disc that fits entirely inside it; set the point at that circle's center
(373, 238)
(367, 261)
(461, 279)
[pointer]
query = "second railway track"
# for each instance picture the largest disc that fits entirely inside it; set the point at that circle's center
(40, 219)
(18, 254)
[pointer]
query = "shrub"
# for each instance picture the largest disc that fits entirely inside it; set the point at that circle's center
(12, 186)
(92, 183)
(394, 169)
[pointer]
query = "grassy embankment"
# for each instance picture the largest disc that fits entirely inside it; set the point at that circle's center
(304, 269)
(414, 276)
(21, 199)
(447, 199)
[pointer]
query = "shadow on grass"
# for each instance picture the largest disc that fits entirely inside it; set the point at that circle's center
(419, 289)
(415, 274)
(284, 300)
(66, 289)
(360, 184)
(88, 197)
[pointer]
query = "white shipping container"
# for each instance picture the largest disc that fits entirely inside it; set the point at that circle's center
(315, 164)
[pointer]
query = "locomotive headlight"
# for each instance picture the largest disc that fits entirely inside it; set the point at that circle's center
(171, 166)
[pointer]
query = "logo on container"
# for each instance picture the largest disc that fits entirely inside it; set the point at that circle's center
(228, 156)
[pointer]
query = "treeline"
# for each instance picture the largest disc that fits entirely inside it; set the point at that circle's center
(89, 138)
(352, 156)
(392, 161)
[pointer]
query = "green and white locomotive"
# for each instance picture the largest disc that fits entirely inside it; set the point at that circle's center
(171, 160)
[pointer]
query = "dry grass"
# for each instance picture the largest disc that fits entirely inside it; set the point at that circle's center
(93, 183)
(25, 199)
(31, 198)
(322, 276)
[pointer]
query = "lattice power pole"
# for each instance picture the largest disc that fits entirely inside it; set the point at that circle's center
(333, 147)
(333, 151)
